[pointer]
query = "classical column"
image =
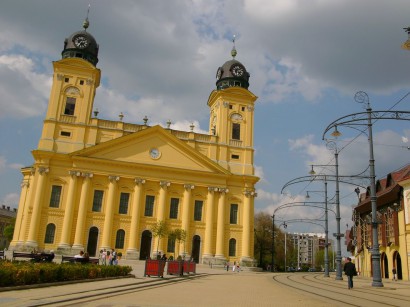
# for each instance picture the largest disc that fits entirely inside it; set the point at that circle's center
(36, 214)
(186, 214)
(132, 251)
(220, 230)
(109, 212)
(247, 224)
(69, 211)
(21, 209)
(209, 223)
(28, 202)
(82, 212)
(161, 209)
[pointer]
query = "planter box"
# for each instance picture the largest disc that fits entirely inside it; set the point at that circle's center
(175, 268)
(189, 267)
(154, 268)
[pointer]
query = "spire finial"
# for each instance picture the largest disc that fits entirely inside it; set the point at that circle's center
(233, 51)
(86, 23)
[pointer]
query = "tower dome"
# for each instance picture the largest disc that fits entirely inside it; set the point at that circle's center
(232, 73)
(81, 44)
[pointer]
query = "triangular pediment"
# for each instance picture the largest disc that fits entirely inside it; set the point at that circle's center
(136, 148)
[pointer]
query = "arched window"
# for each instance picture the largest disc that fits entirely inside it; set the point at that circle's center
(119, 241)
(50, 232)
(232, 247)
(70, 100)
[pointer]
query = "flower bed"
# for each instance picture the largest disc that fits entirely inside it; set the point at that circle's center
(19, 273)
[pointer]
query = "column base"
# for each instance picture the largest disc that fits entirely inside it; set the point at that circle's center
(207, 259)
(31, 245)
(132, 254)
(247, 261)
(16, 245)
(219, 259)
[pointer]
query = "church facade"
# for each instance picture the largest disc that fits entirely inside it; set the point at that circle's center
(99, 183)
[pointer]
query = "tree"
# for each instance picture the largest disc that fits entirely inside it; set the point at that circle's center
(160, 230)
(263, 237)
(9, 230)
(179, 235)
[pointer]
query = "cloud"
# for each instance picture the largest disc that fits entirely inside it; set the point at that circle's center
(24, 92)
(11, 200)
(2, 163)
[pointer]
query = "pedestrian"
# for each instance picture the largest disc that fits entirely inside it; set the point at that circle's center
(350, 271)
(227, 266)
(104, 257)
(238, 268)
(394, 271)
(234, 266)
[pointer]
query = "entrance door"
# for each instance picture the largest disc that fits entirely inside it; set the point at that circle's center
(92, 241)
(196, 246)
(399, 267)
(385, 262)
(145, 250)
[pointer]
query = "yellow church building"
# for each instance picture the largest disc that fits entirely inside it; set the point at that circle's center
(98, 183)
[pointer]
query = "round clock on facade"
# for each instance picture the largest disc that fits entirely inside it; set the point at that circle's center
(219, 73)
(154, 153)
(80, 41)
(237, 70)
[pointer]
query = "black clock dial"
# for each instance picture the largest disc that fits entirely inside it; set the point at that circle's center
(81, 41)
(219, 73)
(237, 71)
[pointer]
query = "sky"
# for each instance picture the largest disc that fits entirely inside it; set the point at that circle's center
(307, 60)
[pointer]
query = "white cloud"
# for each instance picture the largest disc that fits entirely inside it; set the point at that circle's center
(24, 92)
(11, 200)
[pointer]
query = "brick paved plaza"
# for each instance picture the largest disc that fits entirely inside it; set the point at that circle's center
(213, 287)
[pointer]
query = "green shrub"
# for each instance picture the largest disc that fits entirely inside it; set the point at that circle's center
(19, 273)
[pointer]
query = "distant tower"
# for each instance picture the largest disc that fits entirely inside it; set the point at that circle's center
(75, 81)
(232, 113)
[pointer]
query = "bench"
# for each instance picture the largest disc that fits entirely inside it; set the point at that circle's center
(73, 259)
(36, 257)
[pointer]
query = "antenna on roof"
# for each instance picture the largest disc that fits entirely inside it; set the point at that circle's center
(233, 51)
(86, 23)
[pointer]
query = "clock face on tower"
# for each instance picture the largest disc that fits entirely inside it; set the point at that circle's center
(154, 153)
(80, 41)
(237, 70)
(219, 73)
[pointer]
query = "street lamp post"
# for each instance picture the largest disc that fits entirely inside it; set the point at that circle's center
(326, 231)
(365, 119)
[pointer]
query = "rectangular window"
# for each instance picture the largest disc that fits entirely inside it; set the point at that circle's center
(198, 210)
(98, 200)
(124, 199)
(234, 214)
(235, 157)
(65, 133)
(149, 205)
(69, 106)
(55, 196)
(171, 245)
(236, 131)
(173, 212)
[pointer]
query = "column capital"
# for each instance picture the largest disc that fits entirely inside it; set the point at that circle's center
(212, 189)
(189, 186)
(24, 183)
(164, 184)
(113, 178)
(139, 181)
(223, 190)
(87, 175)
(74, 173)
(250, 193)
(43, 170)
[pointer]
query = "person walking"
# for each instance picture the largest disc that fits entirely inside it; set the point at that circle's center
(350, 271)
(394, 271)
